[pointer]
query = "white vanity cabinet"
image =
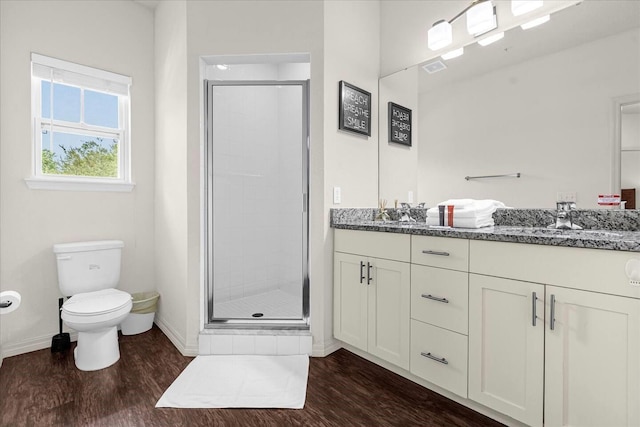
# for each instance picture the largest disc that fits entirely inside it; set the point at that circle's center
(439, 310)
(371, 293)
(592, 359)
(506, 346)
(581, 352)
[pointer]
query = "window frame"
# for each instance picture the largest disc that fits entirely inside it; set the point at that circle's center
(95, 80)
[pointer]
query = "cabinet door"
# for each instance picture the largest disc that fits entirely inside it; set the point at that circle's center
(592, 360)
(506, 350)
(350, 299)
(389, 311)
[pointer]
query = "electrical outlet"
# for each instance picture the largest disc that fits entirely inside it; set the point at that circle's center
(337, 195)
(410, 197)
(566, 196)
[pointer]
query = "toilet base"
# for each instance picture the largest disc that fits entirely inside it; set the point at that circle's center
(97, 349)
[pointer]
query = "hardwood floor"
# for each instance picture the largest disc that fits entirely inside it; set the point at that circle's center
(45, 389)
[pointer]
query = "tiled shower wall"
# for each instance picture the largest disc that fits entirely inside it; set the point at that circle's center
(257, 191)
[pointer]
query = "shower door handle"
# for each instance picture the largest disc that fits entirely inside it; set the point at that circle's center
(361, 272)
(369, 277)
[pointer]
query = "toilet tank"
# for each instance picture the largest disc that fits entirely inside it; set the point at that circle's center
(88, 266)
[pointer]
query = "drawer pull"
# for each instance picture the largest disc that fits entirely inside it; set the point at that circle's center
(534, 299)
(552, 314)
(429, 296)
(369, 276)
(440, 253)
(361, 271)
(437, 359)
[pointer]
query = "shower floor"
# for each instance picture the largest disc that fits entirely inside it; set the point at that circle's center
(273, 305)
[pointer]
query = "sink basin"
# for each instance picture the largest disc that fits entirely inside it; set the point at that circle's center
(561, 233)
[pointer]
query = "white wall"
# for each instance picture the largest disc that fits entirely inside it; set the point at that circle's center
(97, 34)
(549, 118)
(170, 208)
(352, 41)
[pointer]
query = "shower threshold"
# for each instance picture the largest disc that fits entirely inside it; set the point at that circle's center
(268, 326)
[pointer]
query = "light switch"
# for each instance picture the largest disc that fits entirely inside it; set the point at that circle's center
(337, 195)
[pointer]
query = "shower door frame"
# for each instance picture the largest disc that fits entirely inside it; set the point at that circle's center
(261, 323)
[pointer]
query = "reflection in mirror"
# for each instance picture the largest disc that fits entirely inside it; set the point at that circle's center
(630, 153)
(537, 102)
(398, 163)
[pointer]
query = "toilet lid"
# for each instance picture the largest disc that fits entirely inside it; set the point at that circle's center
(98, 302)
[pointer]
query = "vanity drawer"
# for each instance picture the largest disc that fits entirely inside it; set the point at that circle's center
(429, 346)
(595, 270)
(444, 252)
(374, 244)
(440, 297)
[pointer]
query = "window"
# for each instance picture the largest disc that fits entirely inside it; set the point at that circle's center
(80, 127)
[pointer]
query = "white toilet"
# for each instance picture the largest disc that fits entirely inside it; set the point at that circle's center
(89, 272)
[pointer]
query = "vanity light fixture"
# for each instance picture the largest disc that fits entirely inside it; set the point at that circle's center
(453, 54)
(440, 35)
(535, 22)
(481, 18)
(491, 39)
(520, 7)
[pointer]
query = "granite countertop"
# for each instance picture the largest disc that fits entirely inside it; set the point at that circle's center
(619, 240)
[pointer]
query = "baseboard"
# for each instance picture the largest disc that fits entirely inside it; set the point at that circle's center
(29, 345)
(325, 348)
(176, 339)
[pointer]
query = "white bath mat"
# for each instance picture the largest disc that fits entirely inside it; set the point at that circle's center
(238, 381)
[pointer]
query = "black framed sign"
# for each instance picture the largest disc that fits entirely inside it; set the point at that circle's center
(399, 124)
(355, 109)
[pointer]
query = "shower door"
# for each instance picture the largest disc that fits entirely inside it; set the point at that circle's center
(257, 191)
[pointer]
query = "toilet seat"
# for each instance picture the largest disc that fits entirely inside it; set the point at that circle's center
(96, 303)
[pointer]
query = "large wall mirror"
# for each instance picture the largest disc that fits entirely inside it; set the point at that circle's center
(540, 102)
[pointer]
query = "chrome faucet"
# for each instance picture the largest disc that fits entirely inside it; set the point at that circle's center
(564, 216)
(405, 213)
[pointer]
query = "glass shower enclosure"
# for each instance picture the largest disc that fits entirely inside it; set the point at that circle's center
(256, 154)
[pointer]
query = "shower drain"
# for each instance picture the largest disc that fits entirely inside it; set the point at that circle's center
(257, 315)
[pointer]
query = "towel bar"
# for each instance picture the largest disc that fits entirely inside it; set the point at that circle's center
(515, 175)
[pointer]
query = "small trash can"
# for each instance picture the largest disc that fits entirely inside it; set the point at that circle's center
(140, 319)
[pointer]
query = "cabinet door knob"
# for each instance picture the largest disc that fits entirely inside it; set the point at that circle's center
(429, 296)
(437, 359)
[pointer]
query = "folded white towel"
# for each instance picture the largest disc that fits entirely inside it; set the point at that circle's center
(476, 209)
(466, 222)
(458, 203)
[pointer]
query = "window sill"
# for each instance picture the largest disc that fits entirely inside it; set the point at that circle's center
(41, 183)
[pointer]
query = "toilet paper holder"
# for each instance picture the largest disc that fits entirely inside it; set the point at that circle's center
(5, 304)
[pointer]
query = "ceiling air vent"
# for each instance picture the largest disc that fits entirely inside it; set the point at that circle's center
(434, 67)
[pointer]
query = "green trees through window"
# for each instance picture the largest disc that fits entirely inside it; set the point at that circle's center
(91, 158)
